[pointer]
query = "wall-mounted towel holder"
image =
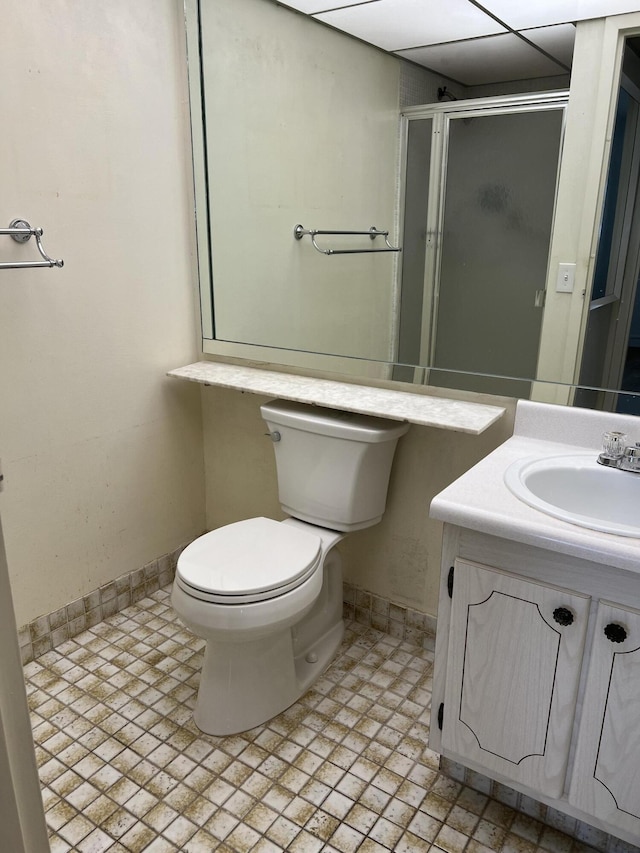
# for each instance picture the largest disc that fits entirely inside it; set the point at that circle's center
(21, 231)
(299, 232)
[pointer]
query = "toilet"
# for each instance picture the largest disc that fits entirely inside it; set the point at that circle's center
(266, 595)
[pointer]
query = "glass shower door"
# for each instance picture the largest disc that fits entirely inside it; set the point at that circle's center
(498, 203)
(478, 204)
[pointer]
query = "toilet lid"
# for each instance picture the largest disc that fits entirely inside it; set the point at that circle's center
(249, 561)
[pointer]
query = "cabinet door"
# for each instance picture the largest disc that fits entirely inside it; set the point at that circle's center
(512, 675)
(606, 776)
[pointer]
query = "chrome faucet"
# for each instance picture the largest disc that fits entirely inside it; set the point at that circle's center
(618, 453)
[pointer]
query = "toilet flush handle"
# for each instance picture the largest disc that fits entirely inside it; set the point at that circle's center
(274, 436)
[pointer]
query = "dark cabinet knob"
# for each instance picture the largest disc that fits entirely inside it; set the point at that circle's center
(563, 616)
(616, 633)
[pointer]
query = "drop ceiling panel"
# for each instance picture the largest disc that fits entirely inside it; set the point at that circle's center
(310, 7)
(557, 41)
(485, 60)
(398, 24)
(520, 15)
(455, 38)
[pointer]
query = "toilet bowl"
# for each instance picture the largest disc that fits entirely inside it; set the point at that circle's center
(266, 595)
(267, 641)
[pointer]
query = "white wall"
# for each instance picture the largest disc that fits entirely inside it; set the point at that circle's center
(102, 455)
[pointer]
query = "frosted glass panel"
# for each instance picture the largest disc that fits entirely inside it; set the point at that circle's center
(413, 257)
(499, 200)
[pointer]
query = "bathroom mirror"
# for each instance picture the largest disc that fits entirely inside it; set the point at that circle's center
(294, 123)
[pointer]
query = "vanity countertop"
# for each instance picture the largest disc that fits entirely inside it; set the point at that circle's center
(422, 409)
(479, 499)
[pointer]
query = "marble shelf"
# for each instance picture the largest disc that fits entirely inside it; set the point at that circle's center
(422, 409)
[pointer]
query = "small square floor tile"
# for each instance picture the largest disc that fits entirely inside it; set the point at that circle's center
(96, 842)
(345, 769)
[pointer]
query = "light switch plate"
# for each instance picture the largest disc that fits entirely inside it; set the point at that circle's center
(566, 278)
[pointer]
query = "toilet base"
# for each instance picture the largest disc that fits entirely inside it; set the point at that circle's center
(245, 684)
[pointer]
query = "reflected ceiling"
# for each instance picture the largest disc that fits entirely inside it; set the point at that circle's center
(469, 42)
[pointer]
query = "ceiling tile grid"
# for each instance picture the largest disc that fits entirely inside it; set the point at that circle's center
(470, 42)
(399, 24)
(519, 16)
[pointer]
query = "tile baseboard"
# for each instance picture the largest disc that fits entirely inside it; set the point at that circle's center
(400, 622)
(49, 631)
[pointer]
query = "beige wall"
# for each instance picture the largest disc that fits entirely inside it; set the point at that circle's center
(399, 559)
(102, 454)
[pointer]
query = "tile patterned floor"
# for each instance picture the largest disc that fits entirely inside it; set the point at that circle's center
(124, 769)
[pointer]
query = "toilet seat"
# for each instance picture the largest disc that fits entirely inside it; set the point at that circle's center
(249, 561)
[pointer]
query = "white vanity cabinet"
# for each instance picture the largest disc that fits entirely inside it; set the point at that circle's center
(606, 775)
(515, 653)
(549, 708)
(537, 676)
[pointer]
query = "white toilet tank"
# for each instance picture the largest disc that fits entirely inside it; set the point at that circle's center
(333, 466)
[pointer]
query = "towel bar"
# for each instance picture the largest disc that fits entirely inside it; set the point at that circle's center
(300, 231)
(20, 231)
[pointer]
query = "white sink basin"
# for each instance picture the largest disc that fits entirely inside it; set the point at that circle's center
(578, 490)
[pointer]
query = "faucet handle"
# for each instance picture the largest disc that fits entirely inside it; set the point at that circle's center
(613, 444)
(631, 459)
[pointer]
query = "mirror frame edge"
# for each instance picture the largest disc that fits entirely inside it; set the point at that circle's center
(203, 245)
(614, 30)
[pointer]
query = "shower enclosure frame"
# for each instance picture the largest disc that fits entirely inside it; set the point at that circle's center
(441, 116)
